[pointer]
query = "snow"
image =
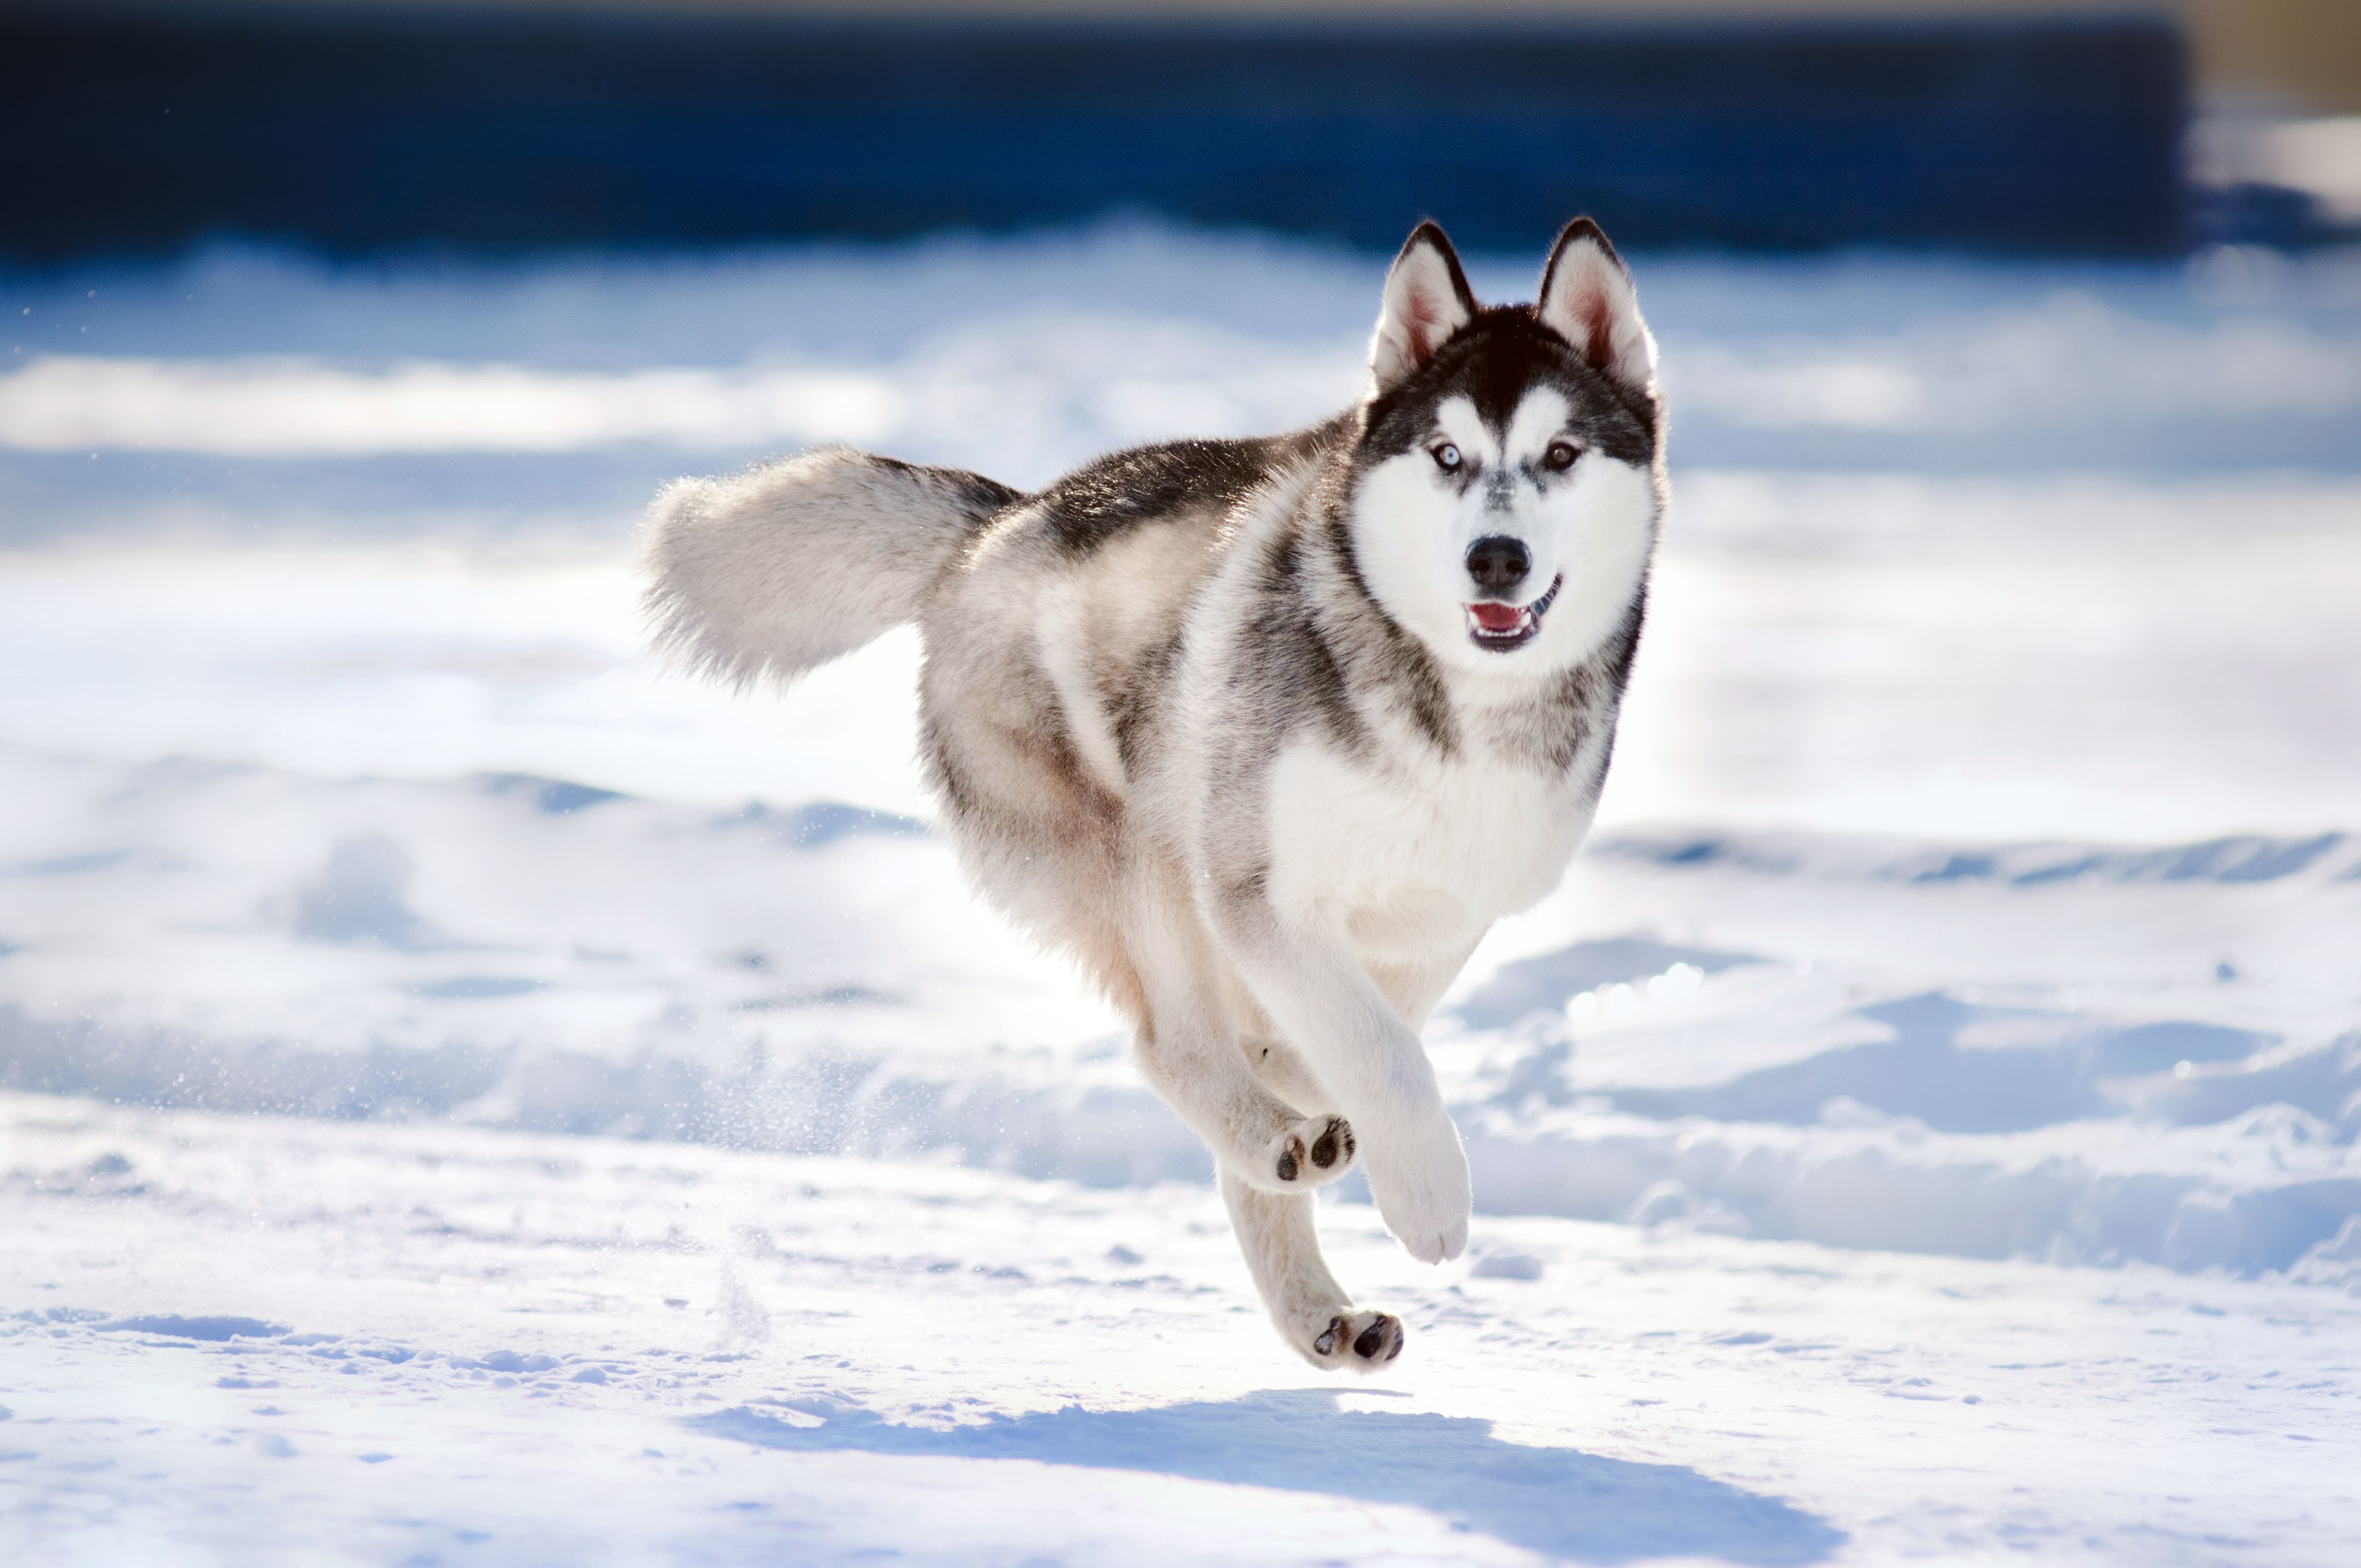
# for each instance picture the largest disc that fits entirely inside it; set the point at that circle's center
(1022, 358)
(1994, 1051)
(450, 1346)
(465, 1096)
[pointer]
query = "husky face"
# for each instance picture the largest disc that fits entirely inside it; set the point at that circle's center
(1504, 499)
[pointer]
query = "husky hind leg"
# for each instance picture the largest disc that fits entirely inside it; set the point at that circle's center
(773, 572)
(1127, 918)
(1310, 1308)
(1271, 1152)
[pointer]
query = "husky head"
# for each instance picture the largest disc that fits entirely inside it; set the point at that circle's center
(1506, 487)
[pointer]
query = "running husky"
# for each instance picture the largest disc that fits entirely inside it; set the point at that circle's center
(1266, 732)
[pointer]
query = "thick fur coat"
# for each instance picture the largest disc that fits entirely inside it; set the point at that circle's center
(1266, 732)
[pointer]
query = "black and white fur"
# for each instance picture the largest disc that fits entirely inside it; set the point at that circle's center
(1266, 732)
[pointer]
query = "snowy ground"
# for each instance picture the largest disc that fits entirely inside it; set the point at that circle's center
(1924, 1123)
(294, 1342)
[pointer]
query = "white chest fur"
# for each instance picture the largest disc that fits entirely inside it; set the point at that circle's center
(1414, 857)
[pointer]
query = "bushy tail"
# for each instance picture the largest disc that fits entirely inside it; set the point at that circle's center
(779, 569)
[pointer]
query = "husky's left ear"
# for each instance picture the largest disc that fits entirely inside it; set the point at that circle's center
(1588, 299)
(1427, 300)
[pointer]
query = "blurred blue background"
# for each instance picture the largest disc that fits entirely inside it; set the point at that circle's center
(2024, 126)
(354, 128)
(2039, 126)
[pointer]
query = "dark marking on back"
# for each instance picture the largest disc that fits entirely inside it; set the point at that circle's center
(1102, 500)
(1133, 698)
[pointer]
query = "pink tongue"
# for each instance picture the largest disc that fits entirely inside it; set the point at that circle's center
(1497, 617)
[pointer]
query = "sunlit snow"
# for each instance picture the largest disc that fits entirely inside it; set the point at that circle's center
(467, 1096)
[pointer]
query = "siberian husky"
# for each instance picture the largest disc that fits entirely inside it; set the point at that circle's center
(1265, 732)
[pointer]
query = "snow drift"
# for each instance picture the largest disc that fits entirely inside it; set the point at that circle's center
(1813, 1062)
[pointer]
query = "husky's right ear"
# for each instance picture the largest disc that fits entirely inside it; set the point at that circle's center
(1427, 300)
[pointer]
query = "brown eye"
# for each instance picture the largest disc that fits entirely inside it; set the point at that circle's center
(1560, 455)
(1446, 457)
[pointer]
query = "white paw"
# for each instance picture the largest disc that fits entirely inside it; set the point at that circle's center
(1422, 1193)
(1361, 1341)
(1311, 1153)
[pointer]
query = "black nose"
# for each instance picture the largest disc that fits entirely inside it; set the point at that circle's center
(1498, 563)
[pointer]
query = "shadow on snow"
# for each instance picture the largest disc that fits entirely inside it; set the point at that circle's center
(1558, 1501)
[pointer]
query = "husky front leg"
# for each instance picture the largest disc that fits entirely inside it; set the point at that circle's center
(1189, 1052)
(1327, 1006)
(1311, 1309)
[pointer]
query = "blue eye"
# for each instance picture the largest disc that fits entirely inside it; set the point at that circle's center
(1446, 457)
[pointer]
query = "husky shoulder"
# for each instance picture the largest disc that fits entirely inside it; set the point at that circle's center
(1066, 618)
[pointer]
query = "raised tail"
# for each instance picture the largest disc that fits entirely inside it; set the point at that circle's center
(777, 570)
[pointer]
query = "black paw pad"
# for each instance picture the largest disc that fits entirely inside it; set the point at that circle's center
(1327, 1344)
(1336, 1141)
(1381, 1340)
(1290, 1160)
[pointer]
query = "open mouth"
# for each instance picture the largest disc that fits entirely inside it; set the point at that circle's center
(1502, 627)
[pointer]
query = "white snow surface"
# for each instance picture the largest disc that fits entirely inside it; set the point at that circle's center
(287, 1342)
(467, 1097)
(2063, 1050)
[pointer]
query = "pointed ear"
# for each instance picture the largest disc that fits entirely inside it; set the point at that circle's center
(1426, 301)
(1586, 298)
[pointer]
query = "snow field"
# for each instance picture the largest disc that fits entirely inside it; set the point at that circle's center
(2069, 1052)
(447, 1116)
(1022, 357)
(394, 1341)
